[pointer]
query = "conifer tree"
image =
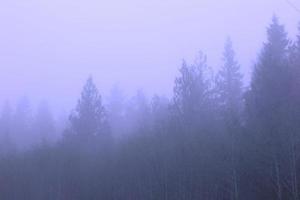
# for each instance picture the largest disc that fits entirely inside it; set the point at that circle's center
(192, 91)
(229, 98)
(266, 110)
(229, 85)
(44, 126)
(89, 117)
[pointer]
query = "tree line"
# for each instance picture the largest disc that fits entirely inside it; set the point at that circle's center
(213, 139)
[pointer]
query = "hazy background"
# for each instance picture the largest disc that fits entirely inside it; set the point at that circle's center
(48, 48)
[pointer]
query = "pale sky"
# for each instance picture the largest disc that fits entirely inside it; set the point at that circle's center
(48, 48)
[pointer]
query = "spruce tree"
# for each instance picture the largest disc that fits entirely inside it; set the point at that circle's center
(89, 117)
(229, 98)
(192, 91)
(266, 110)
(44, 126)
(229, 85)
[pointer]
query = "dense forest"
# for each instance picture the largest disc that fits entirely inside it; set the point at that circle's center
(213, 139)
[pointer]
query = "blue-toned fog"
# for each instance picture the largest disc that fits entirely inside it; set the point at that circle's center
(49, 48)
(150, 100)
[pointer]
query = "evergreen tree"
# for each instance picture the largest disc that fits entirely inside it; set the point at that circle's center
(44, 124)
(116, 109)
(22, 129)
(269, 81)
(6, 125)
(192, 92)
(138, 113)
(293, 110)
(266, 109)
(229, 98)
(159, 111)
(294, 61)
(229, 86)
(89, 117)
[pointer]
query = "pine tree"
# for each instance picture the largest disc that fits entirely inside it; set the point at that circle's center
(138, 113)
(294, 61)
(117, 112)
(6, 124)
(269, 81)
(229, 98)
(89, 117)
(192, 91)
(44, 124)
(6, 119)
(293, 110)
(22, 128)
(266, 109)
(229, 85)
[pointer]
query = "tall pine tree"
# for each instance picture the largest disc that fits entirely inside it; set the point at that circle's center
(229, 89)
(89, 118)
(266, 110)
(229, 86)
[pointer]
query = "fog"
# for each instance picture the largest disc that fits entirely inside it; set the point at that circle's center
(158, 100)
(49, 48)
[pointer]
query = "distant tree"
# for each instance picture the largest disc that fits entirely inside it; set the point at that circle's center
(230, 100)
(195, 129)
(116, 111)
(294, 61)
(6, 124)
(86, 147)
(192, 90)
(138, 113)
(44, 125)
(293, 109)
(160, 112)
(269, 81)
(22, 129)
(89, 118)
(266, 109)
(229, 86)
(6, 118)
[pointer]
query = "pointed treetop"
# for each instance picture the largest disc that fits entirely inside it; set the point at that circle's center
(89, 116)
